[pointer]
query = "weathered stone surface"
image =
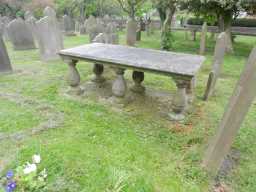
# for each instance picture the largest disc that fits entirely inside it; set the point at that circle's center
(91, 21)
(111, 35)
(100, 38)
(4, 21)
(107, 19)
(20, 35)
(28, 14)
(69, 25)
(49, 36)
(131, 32)
(119, 86)
(239, 104)
(219, 54)
(94, 27)
(167, 63)
(50, 12)
(31, 22)
(5, 65)
(203, 39)
(182, 67)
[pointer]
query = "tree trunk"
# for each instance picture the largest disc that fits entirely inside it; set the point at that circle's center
(166, 36)
(162, 14)
(225, 25)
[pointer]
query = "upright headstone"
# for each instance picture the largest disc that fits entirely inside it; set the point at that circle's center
(77, 26)
(107, 20)
(219, 54)
(5, 65)
(203, 39)
(111, 36)
(239, 104)
(94, 27)
(49, 35)
(31, 22)
(28, 14)
(131, 32)
(69, 25)
(20, 35)
(89, 22)
(82, 29)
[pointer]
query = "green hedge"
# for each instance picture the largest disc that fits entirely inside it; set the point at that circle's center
(235, 23)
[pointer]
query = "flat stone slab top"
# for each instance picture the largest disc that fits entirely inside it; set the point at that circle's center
(166, 63)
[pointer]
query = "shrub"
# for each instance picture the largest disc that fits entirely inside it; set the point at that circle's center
(236, 23)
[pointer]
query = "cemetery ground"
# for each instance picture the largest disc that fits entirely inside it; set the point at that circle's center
(87, 144)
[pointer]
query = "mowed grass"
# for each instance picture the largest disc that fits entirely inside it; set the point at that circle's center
(98, 149)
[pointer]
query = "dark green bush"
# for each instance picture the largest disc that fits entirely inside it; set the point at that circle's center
(237, 23)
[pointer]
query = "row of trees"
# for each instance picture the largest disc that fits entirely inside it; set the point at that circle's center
(223, 11)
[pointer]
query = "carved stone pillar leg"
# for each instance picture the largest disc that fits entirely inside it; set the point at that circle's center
(74, 77)
(190, 89)
(138, 78)
(98, 70)
(179, 101)
(119, 85)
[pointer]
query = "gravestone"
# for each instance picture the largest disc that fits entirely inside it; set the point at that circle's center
(219, 54)
(239, 104)
(131, 32)
(82, 29)
(20, 35)
(49, 36)
(31, 22)
(28, 14)
(5, 65)
(77, 26)
(203, 39)
(111, 36)
(91, 21)
(107, 20)
(94, 27)
(5, 21)
(69, 25)
(1, 28)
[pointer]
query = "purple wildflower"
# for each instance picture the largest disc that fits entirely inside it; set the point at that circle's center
(9, 174)
(11, 186)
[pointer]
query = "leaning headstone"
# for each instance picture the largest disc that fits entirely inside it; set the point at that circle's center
(5, 65)
(49, 36)
(20, 35)
(5, 21)
(219, 54)
(1, 28)
(131, 32)
(203, 39)
(239, 105)
(69, 25)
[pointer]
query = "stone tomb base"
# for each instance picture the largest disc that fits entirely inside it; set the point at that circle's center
(152, 102)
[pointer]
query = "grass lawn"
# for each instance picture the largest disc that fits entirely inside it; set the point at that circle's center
(96, 148)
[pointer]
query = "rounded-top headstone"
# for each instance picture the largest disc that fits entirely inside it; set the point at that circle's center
(50, 12)
(27, 15)
(111, 28)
